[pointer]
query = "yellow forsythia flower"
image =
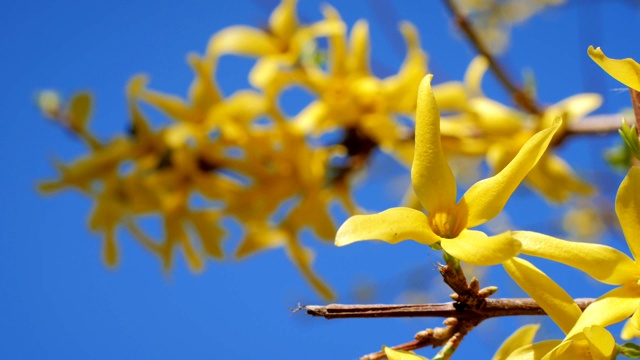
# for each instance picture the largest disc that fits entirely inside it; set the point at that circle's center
(447, 223)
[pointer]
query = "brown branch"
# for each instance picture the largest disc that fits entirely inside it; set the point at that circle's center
(491, 308)
(597, 124)
(519, 96)
(452, 333)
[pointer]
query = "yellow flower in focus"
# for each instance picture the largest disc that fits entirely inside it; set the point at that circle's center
(627, 71)
(447, 224)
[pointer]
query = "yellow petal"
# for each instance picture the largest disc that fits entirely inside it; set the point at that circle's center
(487, 197)
(627, 71)
(571, 109)
(635, 319)
(358, 59)
(401, 355)
(402, 88)
(259, 237)
(265, 71)
(206, 224)
(550, 296)
(303, 258)
(393, 225)
(628, 210)
(312, 117)
(241, 40)
(601, 262)
(475, 73)
(601, 342)
(630, 331)
(611, 308)
(175, 234)
(80, 111)
(475, 247)
(283, 20)
(337, 43)
(521, 337)
(495, 118)
(450, 96)
(556, 180)
(534, 351)
(569, 350)
(431, 176)
(110, 247)
(172, 105)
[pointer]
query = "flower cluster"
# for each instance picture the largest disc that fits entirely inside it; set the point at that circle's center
(446, 222)
(240, 157)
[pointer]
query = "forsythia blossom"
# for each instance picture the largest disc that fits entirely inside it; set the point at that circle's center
(447, 223)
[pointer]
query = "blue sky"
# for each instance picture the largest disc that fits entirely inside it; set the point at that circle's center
(57, 300)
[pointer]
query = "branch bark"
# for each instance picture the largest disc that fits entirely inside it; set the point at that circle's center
(519, 96)
(492, 308)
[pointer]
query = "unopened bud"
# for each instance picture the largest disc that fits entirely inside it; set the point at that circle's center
(488, 291)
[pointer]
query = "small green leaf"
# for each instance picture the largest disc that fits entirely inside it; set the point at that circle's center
(630, 136)
(619, 157)
(80, 111)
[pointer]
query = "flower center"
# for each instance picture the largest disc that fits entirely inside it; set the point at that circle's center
(447, 225)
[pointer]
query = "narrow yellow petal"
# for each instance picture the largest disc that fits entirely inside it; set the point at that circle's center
(487, 197)
(534, 351)
(241, 40)
(431, 176)
(628, 210)
(635, 320)
(206, 224)
(627, 71)
(110, 247)
(611, 308)
(601, 262)
(495, 118)
(475, 247)
(601, 342)
(303, 258)
(80, 107)
(571, 109)
(283, 20)
(630, 331)
(401, 355)
(473, 77)
(550, 296)
(521, 337)
(358, 57)
(337, 43)
(393, 225)
(450, 96)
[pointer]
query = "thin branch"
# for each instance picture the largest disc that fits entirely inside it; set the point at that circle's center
(431, 337)
(519, 96)
(492, 308)
(598, 124)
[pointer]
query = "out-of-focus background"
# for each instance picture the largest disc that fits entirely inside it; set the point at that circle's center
(58, 300)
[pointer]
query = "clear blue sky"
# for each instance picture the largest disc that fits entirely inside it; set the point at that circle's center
(58, 301)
